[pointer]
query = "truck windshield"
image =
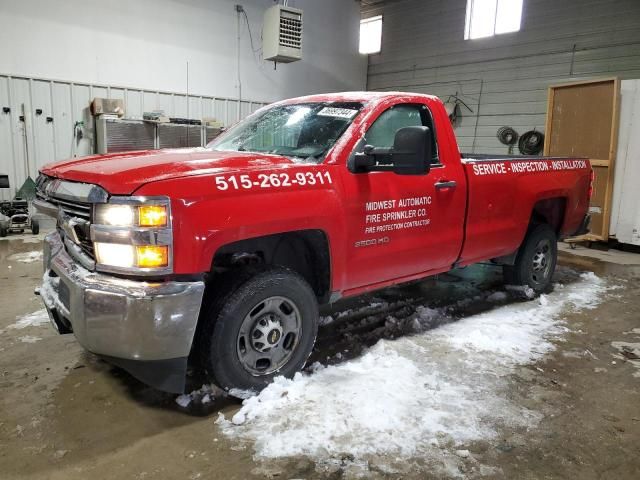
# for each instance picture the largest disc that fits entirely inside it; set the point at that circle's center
(304, 130)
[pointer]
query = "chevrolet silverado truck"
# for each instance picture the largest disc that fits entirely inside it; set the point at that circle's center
(219, 257)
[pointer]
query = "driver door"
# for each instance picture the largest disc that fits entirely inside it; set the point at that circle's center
(401, 225)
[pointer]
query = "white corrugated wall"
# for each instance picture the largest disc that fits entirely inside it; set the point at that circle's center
(504, 79)
(27, 145)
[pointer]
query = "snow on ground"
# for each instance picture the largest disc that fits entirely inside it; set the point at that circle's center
(362, 311)
(29, 339)
(26, 237)
(324, 321)
(204, 395)
(497, 297)
(26, 257)
(35, 319)
(427, 395)
(629, 351)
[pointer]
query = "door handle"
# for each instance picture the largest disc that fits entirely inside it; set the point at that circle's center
(446, 184)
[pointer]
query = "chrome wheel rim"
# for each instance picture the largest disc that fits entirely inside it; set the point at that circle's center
(541, 261)
(268, 336)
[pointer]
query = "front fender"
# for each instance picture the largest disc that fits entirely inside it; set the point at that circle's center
(205, 217)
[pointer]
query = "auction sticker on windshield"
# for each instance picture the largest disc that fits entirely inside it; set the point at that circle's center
(337, 112)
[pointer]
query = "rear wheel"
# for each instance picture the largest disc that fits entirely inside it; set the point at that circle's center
(264, 327)
(3, 231)
(536, 260)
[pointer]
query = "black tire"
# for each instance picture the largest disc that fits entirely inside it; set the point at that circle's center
(536, 260)
(4, 231)
(225, 345)
(35, 226)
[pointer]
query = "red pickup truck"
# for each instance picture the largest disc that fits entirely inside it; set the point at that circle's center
(221, 255)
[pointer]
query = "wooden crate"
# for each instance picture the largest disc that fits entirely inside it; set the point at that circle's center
(582, 121)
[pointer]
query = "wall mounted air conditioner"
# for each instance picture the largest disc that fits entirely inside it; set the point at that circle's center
(282, 34)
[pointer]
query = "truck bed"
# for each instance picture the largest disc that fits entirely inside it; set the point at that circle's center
(504, 190)
(493, 156)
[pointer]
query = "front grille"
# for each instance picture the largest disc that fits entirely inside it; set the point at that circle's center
(75, 200)
(70, 208)
(79, 210)
(87, 247)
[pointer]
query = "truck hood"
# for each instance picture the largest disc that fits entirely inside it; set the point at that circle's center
(123, 173)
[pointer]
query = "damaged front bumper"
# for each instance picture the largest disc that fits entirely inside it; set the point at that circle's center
(144, 327)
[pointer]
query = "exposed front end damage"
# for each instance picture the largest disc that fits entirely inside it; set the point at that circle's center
(145, 328)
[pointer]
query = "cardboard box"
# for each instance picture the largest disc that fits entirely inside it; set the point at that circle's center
(102, 106)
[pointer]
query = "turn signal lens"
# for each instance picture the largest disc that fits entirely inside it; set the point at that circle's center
(152, 256)
(152, 215)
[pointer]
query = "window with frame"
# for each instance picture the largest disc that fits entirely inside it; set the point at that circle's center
(304, 130)
(486, 18)
(371, 35)
(383, 131)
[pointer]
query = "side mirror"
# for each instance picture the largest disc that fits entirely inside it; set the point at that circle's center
(4, 181)
(410, 155)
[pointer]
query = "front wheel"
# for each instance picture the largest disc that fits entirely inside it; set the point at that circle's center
(536, 260)
(35, 226)
(264, 327)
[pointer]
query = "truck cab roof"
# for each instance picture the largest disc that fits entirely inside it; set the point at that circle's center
(363, 97)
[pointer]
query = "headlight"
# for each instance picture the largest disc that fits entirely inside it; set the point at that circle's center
(115, 215)
(132, 256)
(133, 235)
(115, 254)
(122, 215)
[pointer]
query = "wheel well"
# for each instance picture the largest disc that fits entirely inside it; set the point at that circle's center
(550, 211)
(305, 252)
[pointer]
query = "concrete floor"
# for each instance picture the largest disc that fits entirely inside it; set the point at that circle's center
(64, 414)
